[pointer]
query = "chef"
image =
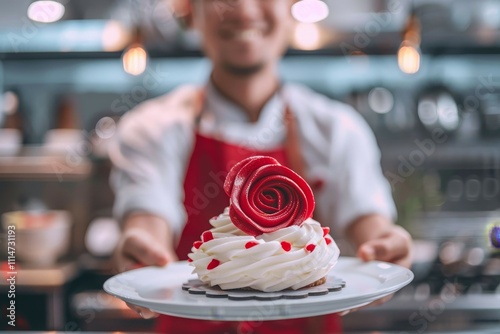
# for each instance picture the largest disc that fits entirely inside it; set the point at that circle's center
(173, 152)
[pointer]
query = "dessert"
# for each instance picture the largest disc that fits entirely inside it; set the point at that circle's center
(266, 239)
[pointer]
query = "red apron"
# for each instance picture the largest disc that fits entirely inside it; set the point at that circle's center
(205, 198)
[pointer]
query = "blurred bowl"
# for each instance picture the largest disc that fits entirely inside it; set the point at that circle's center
(10, 141)
(41, 237)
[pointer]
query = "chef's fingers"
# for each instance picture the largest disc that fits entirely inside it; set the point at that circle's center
(200, 98)
(374, 303)
(383, 300)
(127, 264)
(394, 247)
(143, 312)
(141, 248)
(378, 302)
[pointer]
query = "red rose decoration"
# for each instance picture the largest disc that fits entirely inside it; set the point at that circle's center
(266, 196)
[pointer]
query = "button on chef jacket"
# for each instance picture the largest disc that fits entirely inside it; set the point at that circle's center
(153, 147)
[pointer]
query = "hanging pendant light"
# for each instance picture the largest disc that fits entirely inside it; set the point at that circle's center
(409, 58)
(307, 36)
(310, 11)
(409, 54)
(46, 11)
(135, 57)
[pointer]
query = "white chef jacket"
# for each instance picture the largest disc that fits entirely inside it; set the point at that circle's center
(152, 151)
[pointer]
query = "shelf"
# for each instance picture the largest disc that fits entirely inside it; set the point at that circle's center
(43, 277)
(57, 168)
(472, 154)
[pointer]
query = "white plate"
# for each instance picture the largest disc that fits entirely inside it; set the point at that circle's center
(160, 289)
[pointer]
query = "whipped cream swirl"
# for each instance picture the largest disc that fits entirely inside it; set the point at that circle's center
(290, 258)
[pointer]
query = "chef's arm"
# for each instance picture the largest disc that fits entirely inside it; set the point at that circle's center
(147, 240)
(376, 238)
(149, 155)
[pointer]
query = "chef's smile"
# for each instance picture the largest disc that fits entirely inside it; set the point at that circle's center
(244, 36)
(248, 35)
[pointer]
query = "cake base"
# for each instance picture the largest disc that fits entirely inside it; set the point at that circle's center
(313, 284)
(319, 288)
(317, 283)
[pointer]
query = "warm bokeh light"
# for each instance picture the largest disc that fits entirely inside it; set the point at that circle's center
(307, 36)
(310, 11)
(46, 11)
(135, 60)
(114, 36)
(409, 59)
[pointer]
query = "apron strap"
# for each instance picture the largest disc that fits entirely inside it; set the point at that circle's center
(292, 143)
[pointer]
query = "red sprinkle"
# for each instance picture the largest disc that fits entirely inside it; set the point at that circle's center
(310, 248)
(213, 264)
(318, 184)
(207, 236)
(214, 217)
(328, 241)
(286, 246)
(197, 244)
(189, 260)
(326, 230)
(250, 244)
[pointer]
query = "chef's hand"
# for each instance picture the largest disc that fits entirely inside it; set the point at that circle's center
(146, 241)
(378, 239)
(394, 245)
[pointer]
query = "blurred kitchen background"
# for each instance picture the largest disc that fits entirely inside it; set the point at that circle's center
(425, 74)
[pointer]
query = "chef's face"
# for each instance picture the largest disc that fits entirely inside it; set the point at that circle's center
(243, 36)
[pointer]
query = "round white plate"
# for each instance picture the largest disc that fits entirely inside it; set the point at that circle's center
(160, 289)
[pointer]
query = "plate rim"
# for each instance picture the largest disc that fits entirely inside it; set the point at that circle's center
(234, 309)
